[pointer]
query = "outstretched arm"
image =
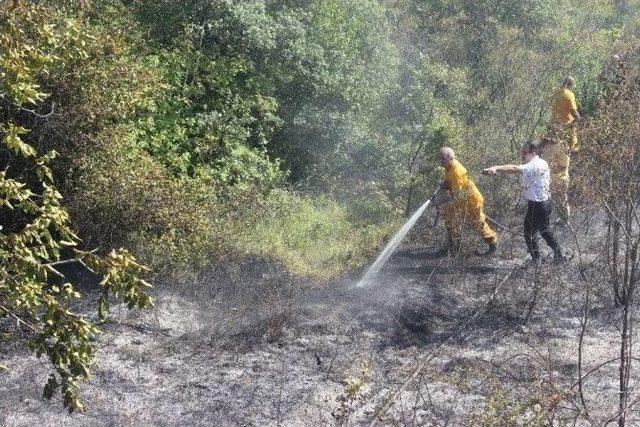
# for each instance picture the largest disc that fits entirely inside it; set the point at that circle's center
(501, 168)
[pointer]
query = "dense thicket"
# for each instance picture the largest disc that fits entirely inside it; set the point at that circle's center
(300, 130)
(181, 118)
(35, 227)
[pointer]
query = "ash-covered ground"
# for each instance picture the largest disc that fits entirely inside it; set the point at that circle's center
(465, 341)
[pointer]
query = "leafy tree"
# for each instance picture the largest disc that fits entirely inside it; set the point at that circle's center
(35, 227)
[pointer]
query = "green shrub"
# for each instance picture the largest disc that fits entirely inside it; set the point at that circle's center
(126, 197)
(310, 236)
(35, 225)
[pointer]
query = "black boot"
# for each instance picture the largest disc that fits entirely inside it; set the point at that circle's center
(451, 248)
(558, 256)
(454, 246)
(493, 246)
(532, 262)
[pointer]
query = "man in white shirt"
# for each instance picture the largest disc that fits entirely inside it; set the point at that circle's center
(535, 180)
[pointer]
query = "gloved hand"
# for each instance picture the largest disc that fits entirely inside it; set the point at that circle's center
(442, 198)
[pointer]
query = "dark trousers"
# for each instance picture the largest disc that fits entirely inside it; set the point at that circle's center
(537, 220)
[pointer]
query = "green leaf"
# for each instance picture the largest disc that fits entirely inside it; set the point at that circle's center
(50, 387)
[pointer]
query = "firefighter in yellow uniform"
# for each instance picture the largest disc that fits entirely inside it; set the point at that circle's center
(465, 204)
(561, 140)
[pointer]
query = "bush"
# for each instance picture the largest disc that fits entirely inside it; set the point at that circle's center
(35, 226)
(127, 198)
(311, 237)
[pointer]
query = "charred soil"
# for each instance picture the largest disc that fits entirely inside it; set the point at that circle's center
(458, 341)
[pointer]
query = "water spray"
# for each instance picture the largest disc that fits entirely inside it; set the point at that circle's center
(393, 244)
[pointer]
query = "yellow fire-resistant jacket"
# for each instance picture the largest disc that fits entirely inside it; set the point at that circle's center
(463, 190)
(563, 102)
(562, 121)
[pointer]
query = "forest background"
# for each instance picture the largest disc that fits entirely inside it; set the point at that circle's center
(298, 130)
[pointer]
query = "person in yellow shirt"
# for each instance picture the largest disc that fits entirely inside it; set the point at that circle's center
(465, 203)
(560, 141)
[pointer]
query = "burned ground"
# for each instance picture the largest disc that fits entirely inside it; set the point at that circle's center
(435, 341)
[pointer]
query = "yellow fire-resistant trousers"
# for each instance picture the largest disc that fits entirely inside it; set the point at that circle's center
(456, 214)
(556, 153)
